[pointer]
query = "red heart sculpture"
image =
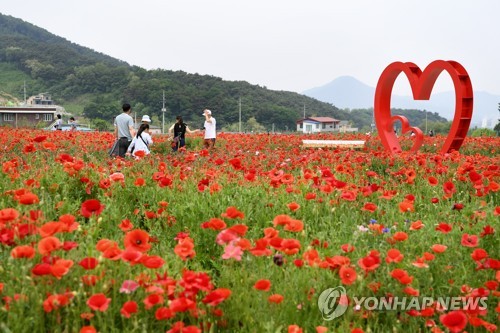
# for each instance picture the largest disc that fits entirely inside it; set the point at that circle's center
(421, 85)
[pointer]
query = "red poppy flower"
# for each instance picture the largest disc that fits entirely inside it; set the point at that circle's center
(60, 268)
(48, 244)
(30, 148)
(152, 300)
(104, 183)
(281, 220)
(439, 248)
(444, 228)
(293, 206)
(348, 195)
(88, 329)
(40, 138)
(182, 304)
(164, 313)
(294, 329)
(8, 214)
(289, 246)
(233, 213)
(28, 199)
(393, 255)
(310, 196)
(56, 301)
(449, 189)
(138, 240)
(479, 254)
(371, 262)
(98, 302)
(416, 225)
(347, 248)
(432, 181)
(88, 263)
(275, 298)
(185, 248)
(217, 296)
(321, 329)
(263, 285)
(400, 236)
(152, 261)
(487, 230)
(294, 226)
(41, 269)
(410, 291)
(347, 275)
(214, 224)
(22, 251)
(369, 207)
(455, 321)
(91, 207)
(139, 182)
(238, 229)
(126, 225)
(469, 240)
(128, 309)
(287, 179)
(236, 163)
(131, 255)
(406, 206)
(402, 276)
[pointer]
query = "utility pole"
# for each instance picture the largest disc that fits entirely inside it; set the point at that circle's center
(24, 92)
(425, 120)
(163, 110)
(304, 110)
(239, 125)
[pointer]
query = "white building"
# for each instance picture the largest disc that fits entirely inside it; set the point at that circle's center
(317, 125)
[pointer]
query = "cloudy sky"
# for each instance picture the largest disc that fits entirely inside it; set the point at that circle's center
(289, 45)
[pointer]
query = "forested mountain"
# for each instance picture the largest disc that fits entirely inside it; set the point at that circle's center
(94, 85)
(100, 84)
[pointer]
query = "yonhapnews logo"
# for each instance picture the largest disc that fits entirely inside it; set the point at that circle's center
(333, 303)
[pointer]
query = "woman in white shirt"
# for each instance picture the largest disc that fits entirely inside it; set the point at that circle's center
(141, 142)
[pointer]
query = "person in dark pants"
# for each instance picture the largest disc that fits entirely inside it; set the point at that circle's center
(179, 129)
(124, 129)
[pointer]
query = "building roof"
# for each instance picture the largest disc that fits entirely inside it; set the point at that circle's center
(319, 120)
(31, 109)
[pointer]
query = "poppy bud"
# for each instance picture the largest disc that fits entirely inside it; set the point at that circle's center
(278, 259)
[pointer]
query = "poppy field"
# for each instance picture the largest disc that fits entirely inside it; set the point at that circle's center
(245, 238)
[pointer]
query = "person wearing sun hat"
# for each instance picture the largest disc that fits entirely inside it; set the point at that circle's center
(145, 119)
(210, 130)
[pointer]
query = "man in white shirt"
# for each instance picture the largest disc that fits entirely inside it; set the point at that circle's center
(210, 130)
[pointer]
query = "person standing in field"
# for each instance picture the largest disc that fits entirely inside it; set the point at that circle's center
(141, 142)
(72, 122)
(146, 120)
(210, 130)
(124, 129)
(179, 129)
(58, 124)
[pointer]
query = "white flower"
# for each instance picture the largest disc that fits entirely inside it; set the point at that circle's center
(362, 228)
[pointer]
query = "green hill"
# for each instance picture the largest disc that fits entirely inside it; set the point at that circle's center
(94, 85)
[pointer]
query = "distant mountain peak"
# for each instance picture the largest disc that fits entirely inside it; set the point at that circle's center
(347, 92)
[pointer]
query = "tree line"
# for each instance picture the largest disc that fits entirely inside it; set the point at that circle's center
(100, 84)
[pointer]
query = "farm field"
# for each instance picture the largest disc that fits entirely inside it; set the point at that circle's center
(246, 238)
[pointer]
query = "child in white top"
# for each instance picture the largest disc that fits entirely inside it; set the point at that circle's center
(141, 141)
